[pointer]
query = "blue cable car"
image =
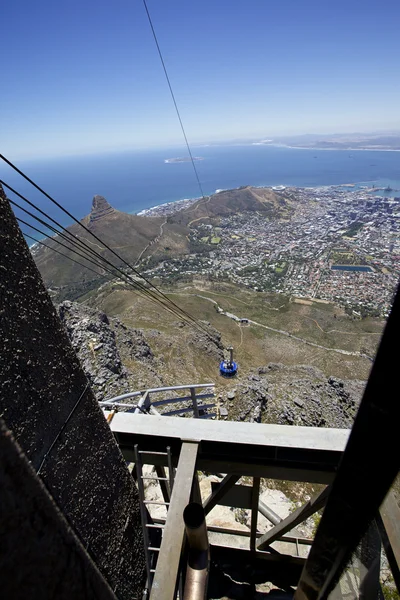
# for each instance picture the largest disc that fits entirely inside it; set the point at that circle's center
(228, 368)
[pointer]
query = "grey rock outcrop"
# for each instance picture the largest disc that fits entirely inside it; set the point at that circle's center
(100, 208)
(99, 342)
(296, 395)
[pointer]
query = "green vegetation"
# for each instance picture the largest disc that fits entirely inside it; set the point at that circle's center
(78, 291)
(390, 593)
(215, 240)
(316, 517)
(342, 257)
(353, 229)
(281, 268)
(198, 247)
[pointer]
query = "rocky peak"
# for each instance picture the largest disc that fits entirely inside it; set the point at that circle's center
(100, 208)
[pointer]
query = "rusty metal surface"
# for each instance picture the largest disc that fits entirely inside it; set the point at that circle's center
(198, 563)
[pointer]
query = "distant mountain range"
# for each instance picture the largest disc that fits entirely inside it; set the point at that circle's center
(353, 141)
(384, 140)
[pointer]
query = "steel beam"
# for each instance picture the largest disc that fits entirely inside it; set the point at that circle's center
(194, 402)
(166, 574)
(240, 496)
(283, 439)
(256, 450)
(217, 494)
(296, 517)
(246, 533)
(268, 513)
(254, 512)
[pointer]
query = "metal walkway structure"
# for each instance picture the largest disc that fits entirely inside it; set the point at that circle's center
(238, 449)
(357, 467)
(143, 401)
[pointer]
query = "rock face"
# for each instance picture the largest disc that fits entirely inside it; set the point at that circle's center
(100, 208)
(211, 346)
(97, 341)
(117, 359)
(298, 395)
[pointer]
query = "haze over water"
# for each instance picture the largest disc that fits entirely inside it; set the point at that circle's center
(132, 181)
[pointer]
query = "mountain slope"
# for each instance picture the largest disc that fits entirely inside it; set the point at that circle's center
(229, 202)
(129, 235)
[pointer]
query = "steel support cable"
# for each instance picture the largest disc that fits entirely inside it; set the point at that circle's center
(173, 97)
(85, 248)
(175, 104)
(99, 265)
(63, 245)
(56, 231)
(105, 245)
(58, 252)
(75, 239)
(195, 323)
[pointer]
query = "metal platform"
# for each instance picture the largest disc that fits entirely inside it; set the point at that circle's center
(238, 449)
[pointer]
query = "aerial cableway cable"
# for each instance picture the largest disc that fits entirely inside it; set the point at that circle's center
(152, 286)
(173, 98)
(87, 250)
(90, 255)
(84, 248)
(101, 266)
(205, 200)
(30, 237)
(65, 246)
(75, 239)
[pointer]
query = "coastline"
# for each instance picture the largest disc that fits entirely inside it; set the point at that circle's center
(328, 149)
(167, 208)
(174, 206)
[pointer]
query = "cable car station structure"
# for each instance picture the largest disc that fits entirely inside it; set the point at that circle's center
(76, 520)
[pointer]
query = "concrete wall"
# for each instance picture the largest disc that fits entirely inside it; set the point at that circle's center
(41, 558)
(70, 444)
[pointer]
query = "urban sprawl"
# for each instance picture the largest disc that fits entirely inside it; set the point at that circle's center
(340, 244)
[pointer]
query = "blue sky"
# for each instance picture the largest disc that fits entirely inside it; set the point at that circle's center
(84, 76)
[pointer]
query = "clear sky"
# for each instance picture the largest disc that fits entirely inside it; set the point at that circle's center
(79, 76)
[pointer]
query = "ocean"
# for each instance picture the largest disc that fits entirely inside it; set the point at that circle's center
(136, 180)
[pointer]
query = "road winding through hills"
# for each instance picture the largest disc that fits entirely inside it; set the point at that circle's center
(282, 331)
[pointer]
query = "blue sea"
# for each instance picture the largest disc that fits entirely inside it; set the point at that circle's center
(136, 180)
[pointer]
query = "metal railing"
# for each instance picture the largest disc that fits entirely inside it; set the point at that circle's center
(146, 404)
